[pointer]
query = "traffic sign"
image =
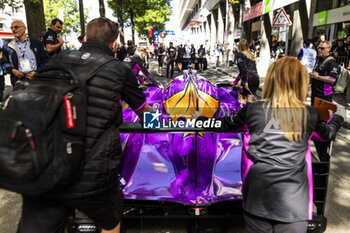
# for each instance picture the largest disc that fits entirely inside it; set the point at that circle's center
(236, 1)
(281, 19)
(168, 32)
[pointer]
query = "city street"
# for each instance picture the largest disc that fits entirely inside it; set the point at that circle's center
(338, 198)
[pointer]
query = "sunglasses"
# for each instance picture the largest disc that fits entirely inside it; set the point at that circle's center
(15, 27)
(321, 48)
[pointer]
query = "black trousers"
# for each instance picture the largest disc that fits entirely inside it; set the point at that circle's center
(170, 62)
(322, 148)
(44, 215)
(2, 87)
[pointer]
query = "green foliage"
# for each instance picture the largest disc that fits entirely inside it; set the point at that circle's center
(155, 18)
(70, 14)
(12, 3)
(145, 13)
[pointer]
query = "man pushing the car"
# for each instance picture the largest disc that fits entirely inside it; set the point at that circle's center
(96, 194)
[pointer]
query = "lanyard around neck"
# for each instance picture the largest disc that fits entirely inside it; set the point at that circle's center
(22, 50)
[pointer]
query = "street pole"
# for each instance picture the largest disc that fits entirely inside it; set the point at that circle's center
(82, 21)
(286, 31)
(241, 20)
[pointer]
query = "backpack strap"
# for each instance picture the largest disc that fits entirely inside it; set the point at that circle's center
(82, 66)
(94, 64)
(327, 60)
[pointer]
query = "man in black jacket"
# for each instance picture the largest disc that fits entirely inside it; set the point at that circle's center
(130, 50)
(171, 57)
(137, 63)
(121, 52)
(2, 78)
(23, 56)
(97, 193)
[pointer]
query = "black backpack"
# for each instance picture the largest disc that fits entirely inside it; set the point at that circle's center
(42, 125)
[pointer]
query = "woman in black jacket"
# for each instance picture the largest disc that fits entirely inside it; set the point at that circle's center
(276, 158)
(248, 74)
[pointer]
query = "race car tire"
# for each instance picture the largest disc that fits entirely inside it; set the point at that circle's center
(317, 225)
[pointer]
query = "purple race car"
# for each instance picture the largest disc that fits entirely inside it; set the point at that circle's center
(177, 169)
(184, 167)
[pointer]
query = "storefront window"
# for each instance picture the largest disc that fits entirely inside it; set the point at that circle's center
(343, 30)
(323, 5)
(322, 30)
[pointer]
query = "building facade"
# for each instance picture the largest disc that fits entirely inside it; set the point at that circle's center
(8, 15)
(209, 22)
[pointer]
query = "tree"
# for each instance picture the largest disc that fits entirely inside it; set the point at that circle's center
(82, 18)
(35, 18)
(10, 3)
(34, 15)
(153, 17)
(116, 5)
(70, 10)
(139, 14)
(102, 8)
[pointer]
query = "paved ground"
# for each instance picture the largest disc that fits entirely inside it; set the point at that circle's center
(337, 207)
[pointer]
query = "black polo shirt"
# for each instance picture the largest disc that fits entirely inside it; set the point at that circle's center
(193, 52)
(322, 89)
(171, 52)
(50, 37)
(161, 50)
(201, 52)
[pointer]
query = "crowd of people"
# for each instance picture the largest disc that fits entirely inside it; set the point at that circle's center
(178, 57)
(278, 162)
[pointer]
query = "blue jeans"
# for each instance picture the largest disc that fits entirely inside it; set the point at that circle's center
(217, 61)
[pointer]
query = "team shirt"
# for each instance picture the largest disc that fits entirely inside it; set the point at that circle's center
(161, 50)
(171, 52)
(50, 37)
(193, 52)
(319, 88)
(201, 52)
(277, 174)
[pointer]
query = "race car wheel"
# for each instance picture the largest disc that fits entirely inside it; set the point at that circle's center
(79, 225)
(317, 225)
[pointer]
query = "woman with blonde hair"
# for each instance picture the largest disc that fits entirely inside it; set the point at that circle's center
(276, 159)
(248, 75)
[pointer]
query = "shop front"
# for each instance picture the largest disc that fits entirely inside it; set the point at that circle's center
(333, 24)
(252, 14)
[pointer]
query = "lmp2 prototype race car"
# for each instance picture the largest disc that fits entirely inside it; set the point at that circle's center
(175, 169)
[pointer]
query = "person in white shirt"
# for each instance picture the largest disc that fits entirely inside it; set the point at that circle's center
(308, 56)
(218, 52)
